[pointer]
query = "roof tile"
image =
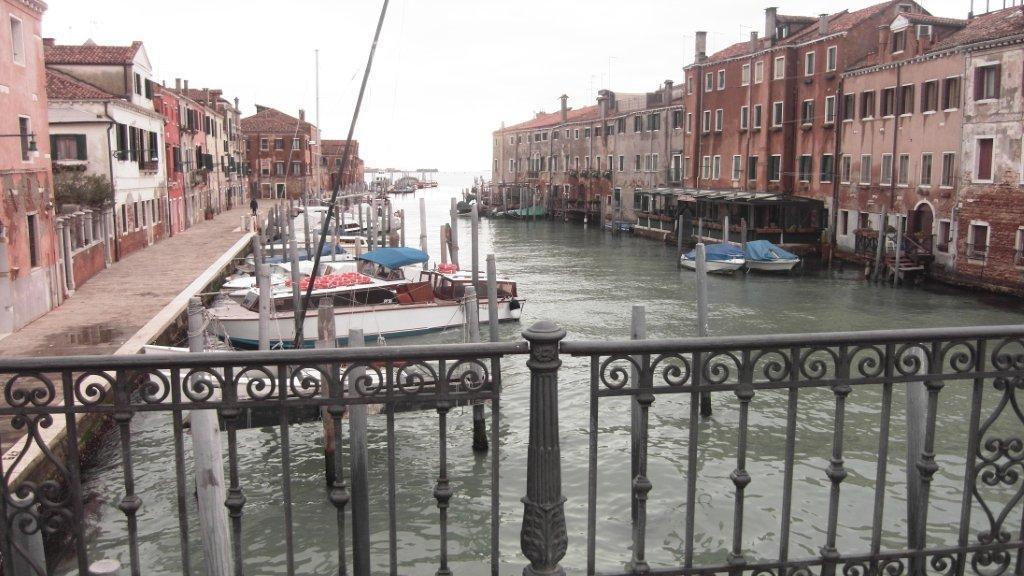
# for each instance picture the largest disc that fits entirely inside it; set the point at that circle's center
(89, 53)
(60, 86)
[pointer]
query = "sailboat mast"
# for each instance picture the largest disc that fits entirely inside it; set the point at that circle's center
(319, 129)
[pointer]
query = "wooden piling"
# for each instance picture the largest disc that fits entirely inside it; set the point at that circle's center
(880, 249)
(326, 337)
(293, 256)
(899, 252)
(359, 461)
(423, 227)
(402, 216)
(702, 315)
(492, 298)
(305, 224)
(474, 237)
(472, 313)
(263, 285)
(444, 243)
(209, 466)
(679, 238)
(453, 237)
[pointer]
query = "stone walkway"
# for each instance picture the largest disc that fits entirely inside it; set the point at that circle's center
(113, 305)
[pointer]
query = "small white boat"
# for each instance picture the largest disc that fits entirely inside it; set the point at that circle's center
(765, 256)
(723, 258)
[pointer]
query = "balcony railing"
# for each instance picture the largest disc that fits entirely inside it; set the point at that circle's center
(1018, 257)
(762, 381)
(977, 251)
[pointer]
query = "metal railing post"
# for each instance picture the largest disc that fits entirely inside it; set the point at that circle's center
(543, 537)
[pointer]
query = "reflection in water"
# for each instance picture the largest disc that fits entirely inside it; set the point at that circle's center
(586, 280)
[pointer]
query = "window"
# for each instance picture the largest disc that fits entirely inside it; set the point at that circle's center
(752, 168)
(951, 93)
(279, 144)
(844, 169)
(844, 222)
(737, 168)
(33, 240)
(705, 125)
(264, 144)
(709, 82)
(265, 168)
(899, 41)
(948, 163)
(637, 164)
(758, 72)
(986, 82)
(903, 170)
(807, 112)
(719, 120)
(827, 167)
(17, 42)
(809, 64)
(930, 96)
(622, 163)
(586, 132)
(721, 79)
(677, 119)
(926, 169)
(716, 167)
(942, 240)
(830, 109)
(296, 144)
(686, 167)
(983, 166)
(654, 122)
(511, 165)
(906, 103)
(586, 162)
(831, 58)
(654, 162)
(865, 169)
(867, 105)
(757, 116)
(138, 84)
(279, 169)
(677, 168)
(886, 177)
(977, 241)
(68, 147)
(774, 167)
(1018, 247)
(705, 167)
(576, 134)
(888, 102)
(779, 70)
(744, 117)
(777, 114)
(689, 122)
(804, 169)
(638, 123)
(745, 75)
(647, 162)
(620, 126)
(25, 136)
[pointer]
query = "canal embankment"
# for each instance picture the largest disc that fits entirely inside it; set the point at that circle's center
(138, 301)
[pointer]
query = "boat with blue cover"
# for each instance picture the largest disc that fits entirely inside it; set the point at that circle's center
(719, 258)
(763, 255)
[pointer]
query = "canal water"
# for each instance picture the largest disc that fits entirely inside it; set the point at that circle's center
(587, 280)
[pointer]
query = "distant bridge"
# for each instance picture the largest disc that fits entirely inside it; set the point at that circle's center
(391, 172)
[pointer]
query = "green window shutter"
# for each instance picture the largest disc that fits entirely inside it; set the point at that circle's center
(53, 147)
(80, 146)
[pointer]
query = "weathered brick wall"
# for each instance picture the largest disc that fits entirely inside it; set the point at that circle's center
(87, 263)
(131, 242)
(1000, 207)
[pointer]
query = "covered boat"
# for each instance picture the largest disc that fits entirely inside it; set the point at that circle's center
(763, 255)
(719, 258)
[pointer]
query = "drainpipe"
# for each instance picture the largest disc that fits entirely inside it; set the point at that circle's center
(110, 167)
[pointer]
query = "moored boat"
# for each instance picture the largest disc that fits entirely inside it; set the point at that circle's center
(763, 255)
(718, 258)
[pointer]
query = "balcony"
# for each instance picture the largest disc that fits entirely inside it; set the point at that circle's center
(977, 252)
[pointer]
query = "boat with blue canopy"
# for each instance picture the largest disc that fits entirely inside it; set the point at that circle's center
(718, 257)
(763, 255)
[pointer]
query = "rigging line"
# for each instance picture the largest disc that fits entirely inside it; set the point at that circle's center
(304, 303)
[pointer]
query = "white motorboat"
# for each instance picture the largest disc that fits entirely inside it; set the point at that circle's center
(765, 256)
(723, 258)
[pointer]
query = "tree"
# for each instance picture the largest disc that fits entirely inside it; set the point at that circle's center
(88, 190)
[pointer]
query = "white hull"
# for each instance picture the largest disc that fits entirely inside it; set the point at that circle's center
(780, 265)
(241, 326)
(715, 265)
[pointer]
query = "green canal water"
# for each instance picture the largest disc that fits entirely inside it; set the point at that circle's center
(587, 280)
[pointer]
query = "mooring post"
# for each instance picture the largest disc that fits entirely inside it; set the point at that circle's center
(702, 316)
(700, 229)
(472, 313)
(402, 216)
(543, 536)
(679, 237)
(444, 243)
(492, 298)
(30, 556)
(263, 285)
(423, 228)
(454, 236)
(725, 230)
(899, 251)
(373, 221)
(475, 246)
(359, 211)
(326, 337)
(293, 250)
(305, 224)
(743, 234)
(880, 249)
(637, 331)
(209, 465)
(359, 458)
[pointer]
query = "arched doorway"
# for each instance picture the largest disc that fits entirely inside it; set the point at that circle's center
(921, 223)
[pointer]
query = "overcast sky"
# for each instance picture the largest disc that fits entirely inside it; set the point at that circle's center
(447, 72)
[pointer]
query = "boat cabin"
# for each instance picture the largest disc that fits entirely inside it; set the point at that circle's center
(453, 286)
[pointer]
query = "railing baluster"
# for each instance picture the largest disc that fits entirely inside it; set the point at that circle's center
(442, 489)
(235, 499)
(691, 457)
(286, 468)
(392, 490)
(967, 498)
(792, 401)
(740, 478)
(927, 466)
(338, 494)
(641, 484)
(595, 375)
(836, 472)
(131, 502)
(495, 464)
(883, 453)
(181, 492)
(74, 486)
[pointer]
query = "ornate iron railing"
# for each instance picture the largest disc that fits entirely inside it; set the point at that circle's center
(986, 363)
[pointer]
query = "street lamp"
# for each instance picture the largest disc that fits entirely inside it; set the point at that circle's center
(31, 136)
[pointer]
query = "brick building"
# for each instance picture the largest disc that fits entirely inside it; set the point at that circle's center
(30, 274)
(168, 105)
(620, 155)
(281, 152)
(331, 164)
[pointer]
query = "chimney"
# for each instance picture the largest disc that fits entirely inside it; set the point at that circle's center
(700, 46)
(177, 84)
(49, 42)
(236, 102)
(668, 92)
(753, 40)
(206, 95)
(823, 24)
(565, 108)
(302, 114)
(602, 105)
(186, 85)
(769, 23)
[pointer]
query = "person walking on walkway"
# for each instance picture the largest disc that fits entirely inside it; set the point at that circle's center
(254, 206)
